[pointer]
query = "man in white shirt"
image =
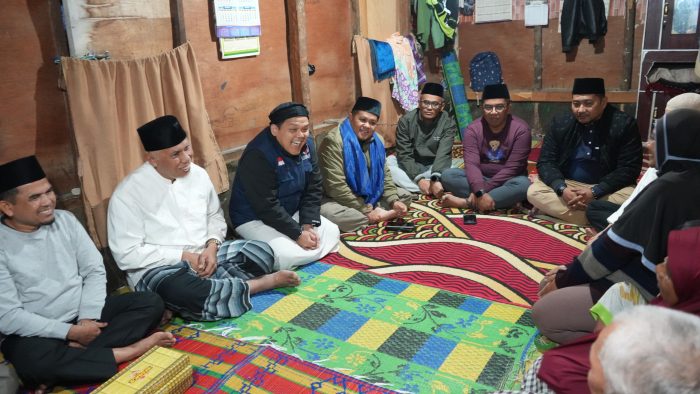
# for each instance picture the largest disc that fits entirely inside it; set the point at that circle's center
(166, 227)
(59, 325)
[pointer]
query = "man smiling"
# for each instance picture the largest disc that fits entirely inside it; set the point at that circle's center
(356, 180)
(166, 228)
(594, 152)
(496, 147)
(60, 326)
(276, 195)
(424, 139)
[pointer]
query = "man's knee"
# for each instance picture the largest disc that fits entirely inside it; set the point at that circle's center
(347, 219)
(149, 303)
(33, 359)
(453, 179)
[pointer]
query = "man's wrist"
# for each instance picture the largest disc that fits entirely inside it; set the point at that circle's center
(596, 192)
(560, 189)
(211, 241)
(479, 193)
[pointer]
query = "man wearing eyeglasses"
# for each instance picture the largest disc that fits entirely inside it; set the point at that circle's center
(592, 153)
(496, 147)
(424, 139)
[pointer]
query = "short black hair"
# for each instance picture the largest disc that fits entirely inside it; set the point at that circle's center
(9, 195)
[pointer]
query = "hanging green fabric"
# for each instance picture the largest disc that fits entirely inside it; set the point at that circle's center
(445, 20)
(427, 26)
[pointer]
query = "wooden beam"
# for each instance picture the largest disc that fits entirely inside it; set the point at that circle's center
(537, 83)
(296, 46)
(355, 15)
(177, 16)
(628, 49)
(628, 97)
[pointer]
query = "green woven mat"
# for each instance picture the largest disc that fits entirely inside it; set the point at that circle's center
(395, 334)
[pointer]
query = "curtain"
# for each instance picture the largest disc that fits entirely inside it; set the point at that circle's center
(110, 99)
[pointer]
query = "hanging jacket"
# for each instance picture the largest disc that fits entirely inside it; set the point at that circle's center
(582, 19)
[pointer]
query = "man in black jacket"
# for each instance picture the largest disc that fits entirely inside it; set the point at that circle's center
(595, 152)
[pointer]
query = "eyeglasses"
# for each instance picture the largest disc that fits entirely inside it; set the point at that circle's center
(497, 107)
(431, 104)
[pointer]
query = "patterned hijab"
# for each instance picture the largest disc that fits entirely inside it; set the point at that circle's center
(678, 141)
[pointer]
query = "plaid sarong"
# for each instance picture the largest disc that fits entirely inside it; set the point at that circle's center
(224, 294)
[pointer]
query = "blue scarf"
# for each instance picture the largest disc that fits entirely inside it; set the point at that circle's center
(364, 183)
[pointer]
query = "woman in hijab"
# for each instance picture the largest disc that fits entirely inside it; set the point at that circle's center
(631, 249)
(564, 370)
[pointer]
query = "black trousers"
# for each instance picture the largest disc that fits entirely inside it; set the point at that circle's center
(598, 211)
(52, 362)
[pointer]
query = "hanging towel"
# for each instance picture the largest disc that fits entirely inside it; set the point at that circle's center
(383, 65)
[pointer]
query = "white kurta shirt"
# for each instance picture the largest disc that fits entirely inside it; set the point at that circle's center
(152, 220)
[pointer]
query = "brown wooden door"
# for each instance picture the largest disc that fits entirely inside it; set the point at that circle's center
(681, 24)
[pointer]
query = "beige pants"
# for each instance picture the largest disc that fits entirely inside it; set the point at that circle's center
(350, 219)
(546, 200)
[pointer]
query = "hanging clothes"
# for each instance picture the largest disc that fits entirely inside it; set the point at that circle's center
(582, 19)
(405, 80)
(427, 26)
(378, 90)
(383, 65)
(446, 15)
(418, 58)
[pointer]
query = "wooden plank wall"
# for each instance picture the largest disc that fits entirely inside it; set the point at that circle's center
(33, 117)
(238, 93)
(514, 44)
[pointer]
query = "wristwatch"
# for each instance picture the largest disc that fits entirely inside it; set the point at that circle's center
(560, 189)
(435, 178)
(213, 240)
(595, 193)
(479, 193)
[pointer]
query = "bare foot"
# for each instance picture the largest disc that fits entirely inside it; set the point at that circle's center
(284, 278)
(451, 201)
(167, 315)
(134, 350)
(389, 215)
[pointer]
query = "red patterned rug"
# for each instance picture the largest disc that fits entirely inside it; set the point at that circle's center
(501, 258)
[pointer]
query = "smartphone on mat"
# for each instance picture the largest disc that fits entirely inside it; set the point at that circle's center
(469, 218)
(401, 226)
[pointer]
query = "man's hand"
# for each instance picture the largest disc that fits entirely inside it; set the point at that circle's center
(400, 208)
(582, 196)
(377, 215)
(207, 259)
(308, 238)
(424, 186)
(193, 260)
(472, 201)
(85, 331)
(586, 195)
(569, 194)
(485, 203)
(436, 189)
(548, 283)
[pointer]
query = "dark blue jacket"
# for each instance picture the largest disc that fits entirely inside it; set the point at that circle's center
(271, 185)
